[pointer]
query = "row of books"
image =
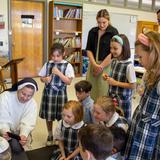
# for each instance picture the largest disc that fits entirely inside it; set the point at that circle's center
(74, 57)
(68, 13)
(74, 42)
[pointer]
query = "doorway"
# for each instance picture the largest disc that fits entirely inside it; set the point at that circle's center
(27, 19)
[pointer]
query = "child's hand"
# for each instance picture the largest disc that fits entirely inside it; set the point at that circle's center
(55, 70)
(111, 81)
(48, 79)
(105, 76)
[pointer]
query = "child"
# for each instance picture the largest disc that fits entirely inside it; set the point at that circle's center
(83, 89)
(56, 74)
(5, 152)
(122, 77)
(104, 112)
(119, 142)
(144, 133)
(66, 131)
(96, 142)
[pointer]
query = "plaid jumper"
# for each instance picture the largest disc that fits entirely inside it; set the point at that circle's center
(54, 94)
(144, 132)
(123, 95)
(70, 140)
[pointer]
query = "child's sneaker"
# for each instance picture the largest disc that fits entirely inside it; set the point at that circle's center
(49, 141)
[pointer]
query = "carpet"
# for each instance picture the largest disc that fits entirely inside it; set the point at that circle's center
(44, 153)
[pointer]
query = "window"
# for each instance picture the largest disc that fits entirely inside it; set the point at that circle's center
(117, 2)
(147, 4)
(133, 3)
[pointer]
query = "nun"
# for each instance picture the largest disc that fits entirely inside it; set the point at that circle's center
(18, 113)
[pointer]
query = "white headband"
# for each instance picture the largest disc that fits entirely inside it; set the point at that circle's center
(25, 84)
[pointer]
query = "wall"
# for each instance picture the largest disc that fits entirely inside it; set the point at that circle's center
(4, 32)
(120, 18)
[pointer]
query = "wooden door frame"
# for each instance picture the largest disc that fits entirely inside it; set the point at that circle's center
(45, 26)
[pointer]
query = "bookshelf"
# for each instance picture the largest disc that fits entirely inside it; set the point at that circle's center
(145, 26)
(65, 26)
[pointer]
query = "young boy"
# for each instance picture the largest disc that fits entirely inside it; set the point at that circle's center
(83, 89)
(5, 152)
(96, 142)
(119, 142)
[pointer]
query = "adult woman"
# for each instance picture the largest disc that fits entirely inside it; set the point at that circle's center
(98, 52)
(18, 112)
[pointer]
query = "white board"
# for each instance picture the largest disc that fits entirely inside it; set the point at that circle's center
(126, 24)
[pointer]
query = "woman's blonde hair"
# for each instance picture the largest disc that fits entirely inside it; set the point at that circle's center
(153, 49)
(103, 13)
(76, 108)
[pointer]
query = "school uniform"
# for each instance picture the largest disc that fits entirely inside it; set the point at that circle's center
(122, 71)
(117, 121)
(55, 93)
(68, 134)
(144, 133)
(87, 104)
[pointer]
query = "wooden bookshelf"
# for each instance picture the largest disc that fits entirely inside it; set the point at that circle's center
(65, 26)
(145, 26)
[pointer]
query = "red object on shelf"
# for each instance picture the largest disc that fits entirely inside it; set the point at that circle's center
(2, 25)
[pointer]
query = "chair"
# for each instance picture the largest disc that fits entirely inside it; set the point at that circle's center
(3, 85)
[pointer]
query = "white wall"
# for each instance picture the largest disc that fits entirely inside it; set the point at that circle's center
(4, 32)
(142, 15)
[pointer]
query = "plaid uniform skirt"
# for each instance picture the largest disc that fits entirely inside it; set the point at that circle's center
(143, 138)
(52, 104)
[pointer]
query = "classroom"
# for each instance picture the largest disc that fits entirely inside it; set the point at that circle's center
(89, 38)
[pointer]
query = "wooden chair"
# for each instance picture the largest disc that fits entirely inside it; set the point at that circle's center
(3, 85)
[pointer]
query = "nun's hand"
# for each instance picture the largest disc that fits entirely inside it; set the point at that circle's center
(23, 140)
(5, 135)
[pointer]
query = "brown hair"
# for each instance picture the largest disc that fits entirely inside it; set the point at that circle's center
(76, 108)
(83, 86)
(125, 47)
(103, 13)
(57, 47)
(153, 50)
(97, 139)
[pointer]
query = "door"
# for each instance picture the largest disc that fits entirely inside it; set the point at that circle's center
(27, 36)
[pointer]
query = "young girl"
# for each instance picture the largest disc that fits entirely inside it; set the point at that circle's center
(104, 111)
(144, 132)
(56, 74)
(122, 77)
(67, 130)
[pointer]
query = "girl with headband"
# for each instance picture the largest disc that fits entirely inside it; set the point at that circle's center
(18, 112)
(144, 133)
(122, 78)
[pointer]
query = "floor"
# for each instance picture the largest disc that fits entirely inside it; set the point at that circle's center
(40, 132)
